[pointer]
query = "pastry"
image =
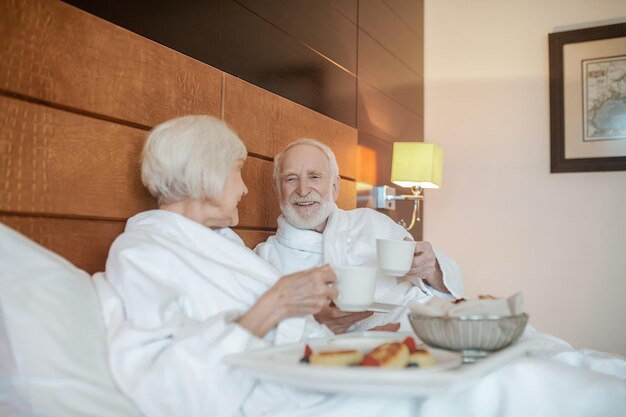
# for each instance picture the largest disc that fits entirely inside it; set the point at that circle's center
(421, 358)
(336, 358)
(388, 355)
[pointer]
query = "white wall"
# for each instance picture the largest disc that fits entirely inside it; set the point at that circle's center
(511, 225)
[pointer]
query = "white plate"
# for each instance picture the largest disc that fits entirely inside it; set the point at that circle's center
(283, 364)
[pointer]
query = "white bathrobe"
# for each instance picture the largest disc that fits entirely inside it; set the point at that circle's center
(173, 289)
(349, 238)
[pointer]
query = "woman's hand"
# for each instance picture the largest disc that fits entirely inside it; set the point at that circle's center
(293, 295)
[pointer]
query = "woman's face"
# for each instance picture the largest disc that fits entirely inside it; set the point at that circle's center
(234, 190)
(221, 213)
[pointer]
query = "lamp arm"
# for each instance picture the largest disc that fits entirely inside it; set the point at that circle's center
(415, 215)
(382, 194)
(417, 196)
(401, 197)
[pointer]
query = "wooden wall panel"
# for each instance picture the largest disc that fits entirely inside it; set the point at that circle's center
(384, 118)
(314, 23)
(60, 163)
(376, 65)
(77, 97)
(411, 12)
(57, 162)
(85, 243)
(56, 53)
(267, 56)
(267, 123)
(347, 195)
(349, 8)
(260, 207)
(192, 27)
(381, 149)
(390, 103)
(383, 24)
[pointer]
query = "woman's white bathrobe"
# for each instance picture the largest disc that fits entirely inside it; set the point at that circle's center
(173, 289)
(349, 238)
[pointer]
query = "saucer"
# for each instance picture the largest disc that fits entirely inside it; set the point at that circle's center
(374, 307)
(382, 307)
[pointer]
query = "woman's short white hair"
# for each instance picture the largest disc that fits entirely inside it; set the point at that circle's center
(332, 160)
(189, 157)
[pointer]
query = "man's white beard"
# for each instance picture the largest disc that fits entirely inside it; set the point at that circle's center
(294, 218)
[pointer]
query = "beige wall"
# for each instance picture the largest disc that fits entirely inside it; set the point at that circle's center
(511, 225)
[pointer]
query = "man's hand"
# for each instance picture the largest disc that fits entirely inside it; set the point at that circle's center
(339, 321)
(389, 327)
(426, 267)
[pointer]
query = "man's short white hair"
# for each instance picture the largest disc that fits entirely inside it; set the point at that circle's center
(189, 157)
(332, 161)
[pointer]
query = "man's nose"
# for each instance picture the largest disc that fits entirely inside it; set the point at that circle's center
(303, 188)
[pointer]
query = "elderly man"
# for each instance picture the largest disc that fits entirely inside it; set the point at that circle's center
(313, 231)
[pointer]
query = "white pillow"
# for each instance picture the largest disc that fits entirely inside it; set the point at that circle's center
(53, 357)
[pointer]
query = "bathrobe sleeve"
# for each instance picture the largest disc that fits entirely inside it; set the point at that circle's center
(164, 360)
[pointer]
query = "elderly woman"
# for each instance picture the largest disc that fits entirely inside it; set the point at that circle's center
(182, 290)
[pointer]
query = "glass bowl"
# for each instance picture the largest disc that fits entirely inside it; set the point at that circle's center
(473, 336)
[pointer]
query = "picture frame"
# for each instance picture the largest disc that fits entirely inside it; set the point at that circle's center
(588, 99)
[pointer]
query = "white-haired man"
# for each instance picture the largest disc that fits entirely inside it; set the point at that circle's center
(313, 231)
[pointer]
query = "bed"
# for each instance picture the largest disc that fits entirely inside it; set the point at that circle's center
(77, 98)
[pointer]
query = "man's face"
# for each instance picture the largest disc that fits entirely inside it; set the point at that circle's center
(307, 189)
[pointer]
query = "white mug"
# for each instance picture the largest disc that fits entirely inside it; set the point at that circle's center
(356, 286)
(395, 256)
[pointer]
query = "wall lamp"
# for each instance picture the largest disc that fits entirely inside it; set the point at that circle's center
(415, 165)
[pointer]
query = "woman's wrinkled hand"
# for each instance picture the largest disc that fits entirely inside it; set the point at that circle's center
(305, 292)
(294, 295)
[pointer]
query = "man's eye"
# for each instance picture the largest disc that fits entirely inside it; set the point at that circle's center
(290, 179)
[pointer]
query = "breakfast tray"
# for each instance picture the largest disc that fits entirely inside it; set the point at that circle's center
(282, 364)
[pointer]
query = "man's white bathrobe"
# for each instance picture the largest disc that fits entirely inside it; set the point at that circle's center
(349, 238)
(172, 291)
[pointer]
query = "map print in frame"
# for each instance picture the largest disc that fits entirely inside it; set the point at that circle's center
(588, 99)
(604, 103)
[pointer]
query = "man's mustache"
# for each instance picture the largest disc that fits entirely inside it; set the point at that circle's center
(313, 197)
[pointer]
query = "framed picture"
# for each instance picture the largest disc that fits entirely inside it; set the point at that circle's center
(588, 99)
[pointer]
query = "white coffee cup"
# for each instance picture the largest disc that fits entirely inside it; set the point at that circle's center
(395, 256)
(356, 286)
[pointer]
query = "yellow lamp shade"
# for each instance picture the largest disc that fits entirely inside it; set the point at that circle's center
(416, 164)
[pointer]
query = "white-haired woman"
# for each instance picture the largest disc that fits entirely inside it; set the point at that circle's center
(182, 290)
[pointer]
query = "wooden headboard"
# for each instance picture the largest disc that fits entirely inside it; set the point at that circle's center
(77, 98)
